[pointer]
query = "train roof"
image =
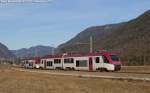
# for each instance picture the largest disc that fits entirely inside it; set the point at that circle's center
(72, 55)
(32, 58)
(52, 56)
(89, 54)
(79, 55)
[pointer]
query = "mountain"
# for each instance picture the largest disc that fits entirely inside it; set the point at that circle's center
(4, 52)
(131, 39)
(81, 42)
(33, 51)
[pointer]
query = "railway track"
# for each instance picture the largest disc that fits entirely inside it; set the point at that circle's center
(131, 76)
(121, 72)
(134, 72)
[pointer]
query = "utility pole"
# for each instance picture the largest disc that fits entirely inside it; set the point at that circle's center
(53, 51)
(91, 44)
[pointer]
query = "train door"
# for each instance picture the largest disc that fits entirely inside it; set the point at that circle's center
(90, 64)
(45, 63)
(49, 65)
(101, 62)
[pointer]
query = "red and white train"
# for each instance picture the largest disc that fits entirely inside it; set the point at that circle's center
(89, 62)
(32, 62)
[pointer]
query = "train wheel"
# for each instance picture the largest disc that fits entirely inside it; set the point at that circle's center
(73, 68)
(101, 69)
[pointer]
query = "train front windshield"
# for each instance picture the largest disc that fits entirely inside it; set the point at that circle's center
(114, 57)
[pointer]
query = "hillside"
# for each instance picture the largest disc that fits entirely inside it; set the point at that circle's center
(84, 37)
(4, 52)
(131, 39)
(33, 51)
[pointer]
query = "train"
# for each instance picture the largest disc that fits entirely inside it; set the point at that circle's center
(101, 61)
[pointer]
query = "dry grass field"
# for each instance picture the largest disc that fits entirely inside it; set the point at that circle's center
(25, 82)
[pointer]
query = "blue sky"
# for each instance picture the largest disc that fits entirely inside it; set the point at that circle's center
(26, 25)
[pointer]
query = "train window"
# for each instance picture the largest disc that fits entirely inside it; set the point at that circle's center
(49, 63)
(114, 57)
(30, 64)
(72, 61)
(57, 61)
(97, 59)
(42, 62)
(69, 60)
(77, 63)
(105, 59)
(81, 63)
(26, 62)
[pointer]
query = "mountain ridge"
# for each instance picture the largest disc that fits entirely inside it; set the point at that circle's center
(95, 31)
(33, 51)
(4, 52)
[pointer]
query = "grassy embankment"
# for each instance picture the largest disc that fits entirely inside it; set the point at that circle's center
(24, 82)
